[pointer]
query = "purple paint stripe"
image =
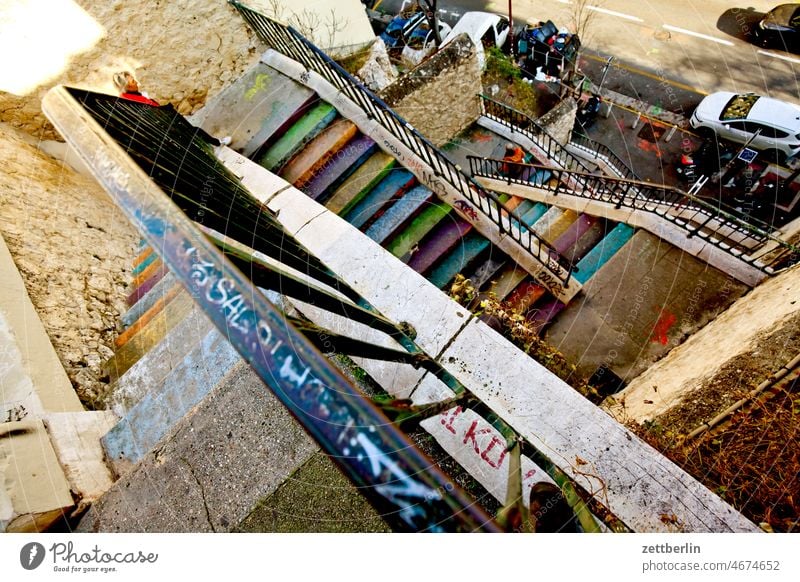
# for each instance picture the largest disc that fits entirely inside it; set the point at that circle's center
(575, 231)
(148, 284)
(339, 163)
(438, 243)
(541, 316)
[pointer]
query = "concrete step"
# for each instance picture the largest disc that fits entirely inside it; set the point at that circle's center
(440, 241)
(297, 136)
(483, 273)
(589, 240)
(559, 226)
(542, 226)
(149, 299)
(458, 259)
(573, 233)
(318, 153)
(399, 214)
(510, 276)
(150, 419)
(604, 250)
(360, 182)
(405, 244)
(396, 182)
(346, 161)
(234, 448)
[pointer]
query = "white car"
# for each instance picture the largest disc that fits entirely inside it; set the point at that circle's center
(483, 28)
(737, 117)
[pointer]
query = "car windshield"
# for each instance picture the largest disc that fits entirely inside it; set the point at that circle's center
(785, 14)
(738, 107)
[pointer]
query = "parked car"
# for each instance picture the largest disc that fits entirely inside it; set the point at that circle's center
(737, 117)
(484, 29)
(413, 36)
(780, 28)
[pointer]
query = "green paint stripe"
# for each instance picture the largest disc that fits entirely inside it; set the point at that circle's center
(401, 244)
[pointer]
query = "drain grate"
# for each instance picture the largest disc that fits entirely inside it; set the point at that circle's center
(651, 132)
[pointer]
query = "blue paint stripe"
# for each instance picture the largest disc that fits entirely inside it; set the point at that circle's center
(378, 197)
(144, 264)
(457, 259)
(400, 212)
(604, 250)
(183, 388)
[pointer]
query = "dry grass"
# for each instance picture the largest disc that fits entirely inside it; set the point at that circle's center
(752, 461)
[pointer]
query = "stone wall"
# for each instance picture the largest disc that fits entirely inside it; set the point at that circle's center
(440, 96)
(74, 250)
(559, 120)
(180, 50)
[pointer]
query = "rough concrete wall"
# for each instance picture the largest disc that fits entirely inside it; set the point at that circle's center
(74, 251)
(758, 333)
(440, 97)
(336, 26)
(559, 120)
(180, 50)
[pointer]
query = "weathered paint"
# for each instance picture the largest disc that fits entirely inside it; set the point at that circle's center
(604, 250)
(318, 153)
(306, 129)
(395, 183)
(454, 262)
(356, 186)
(401, 245)
(399, 213)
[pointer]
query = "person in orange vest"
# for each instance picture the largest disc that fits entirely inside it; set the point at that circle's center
(514, 155)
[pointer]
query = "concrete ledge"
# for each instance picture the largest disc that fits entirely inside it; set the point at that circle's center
(33, 490)
(38, 358)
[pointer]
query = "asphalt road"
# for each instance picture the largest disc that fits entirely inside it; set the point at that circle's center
(699, 46)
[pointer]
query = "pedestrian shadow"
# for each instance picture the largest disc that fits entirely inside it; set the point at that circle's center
(739, 22)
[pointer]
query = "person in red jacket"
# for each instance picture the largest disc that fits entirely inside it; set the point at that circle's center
(515, 155)
(129, 89)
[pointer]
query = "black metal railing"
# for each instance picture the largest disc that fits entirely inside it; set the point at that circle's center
(597, 150)
(292, 44)
(751, 243)
(516, 120)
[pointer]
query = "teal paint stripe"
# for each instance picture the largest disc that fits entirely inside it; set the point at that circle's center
(604, 250)
(472, 245)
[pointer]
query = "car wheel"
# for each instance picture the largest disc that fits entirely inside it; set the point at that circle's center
(707, 133)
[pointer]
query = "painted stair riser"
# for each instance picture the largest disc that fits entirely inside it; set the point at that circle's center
(143, 289)
(508, 279)
(148, 336)
(399, 214)
(359, 183)
(146, 302)
(143, 261)
(146, 317)
(459, 259)
(275, 110)
(439, 242)
(588, 241)
(394, 185)
(573, 234)
(542, 226)
(541, 315)
(525, 296)
(405, 244)
(296, 137)
(560, 225)
(601, 253)
(147, 272)
(534, 213)
(318, 153)
(183, 388)
(341, 165)
(487, 270)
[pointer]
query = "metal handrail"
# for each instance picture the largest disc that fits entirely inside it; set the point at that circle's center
(696, 216)
(291, 43)
(599, 149)
(516, 120)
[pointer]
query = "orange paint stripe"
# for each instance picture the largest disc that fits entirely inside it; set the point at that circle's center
(142, 256)
(147, 316)
(144, 275)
